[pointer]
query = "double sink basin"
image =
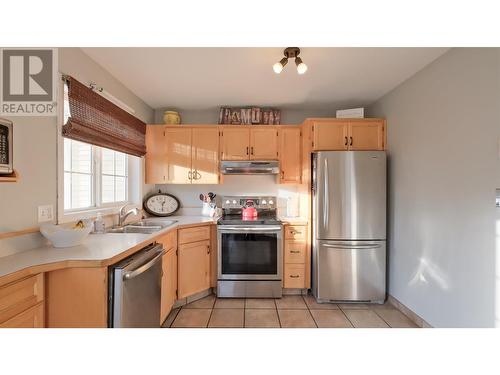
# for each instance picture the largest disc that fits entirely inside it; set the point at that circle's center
(146, 226)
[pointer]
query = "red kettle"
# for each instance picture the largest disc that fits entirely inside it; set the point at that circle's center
(249, 211)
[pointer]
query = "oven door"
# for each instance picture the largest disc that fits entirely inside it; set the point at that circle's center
(250, 252)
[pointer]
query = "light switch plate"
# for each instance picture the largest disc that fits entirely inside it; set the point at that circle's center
(45, 213)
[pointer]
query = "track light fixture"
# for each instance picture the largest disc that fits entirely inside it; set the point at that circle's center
(290, 53)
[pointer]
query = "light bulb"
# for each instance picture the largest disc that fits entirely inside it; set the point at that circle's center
(278, 67)
(301, 67)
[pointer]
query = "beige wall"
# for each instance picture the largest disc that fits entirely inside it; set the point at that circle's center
(444, 166)
(35, 146)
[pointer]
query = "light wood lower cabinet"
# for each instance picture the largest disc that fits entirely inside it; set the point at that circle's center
(294, 276)
(194, 268)
(77, 298)
(295, 262)
(194, 234)
(168, 283)
(30, 318)
(169, 273)
(22, 303)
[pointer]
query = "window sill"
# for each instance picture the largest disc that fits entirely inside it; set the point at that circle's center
(92, 213)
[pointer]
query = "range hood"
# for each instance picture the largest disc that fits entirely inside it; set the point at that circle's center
(250, 167)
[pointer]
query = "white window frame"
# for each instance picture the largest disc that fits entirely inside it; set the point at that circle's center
(135, 178)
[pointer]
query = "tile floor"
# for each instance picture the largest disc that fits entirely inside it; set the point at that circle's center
(287, 312)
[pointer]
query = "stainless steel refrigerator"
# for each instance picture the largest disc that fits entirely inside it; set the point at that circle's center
(349, 226)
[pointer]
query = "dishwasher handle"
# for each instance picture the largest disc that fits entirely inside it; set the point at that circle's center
(143, 268)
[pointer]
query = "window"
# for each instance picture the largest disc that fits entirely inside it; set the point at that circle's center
(94, 177)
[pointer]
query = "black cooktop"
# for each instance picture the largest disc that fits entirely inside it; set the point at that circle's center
(237, 220)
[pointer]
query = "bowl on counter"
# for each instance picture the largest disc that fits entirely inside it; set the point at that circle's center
(66, 235)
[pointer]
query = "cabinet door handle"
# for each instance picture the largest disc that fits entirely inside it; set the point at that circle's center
(294, 276)
(208, 249)
(351, 141)
(345, 144)
(283, 175)
(295, 251)
(190, 175)
(247, 150)
(251, 150)
(198, 175)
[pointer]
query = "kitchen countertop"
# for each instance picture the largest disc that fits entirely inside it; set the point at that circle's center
(98, 248)
(293, 220)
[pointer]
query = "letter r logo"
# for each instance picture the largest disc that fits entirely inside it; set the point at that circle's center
(27, 75)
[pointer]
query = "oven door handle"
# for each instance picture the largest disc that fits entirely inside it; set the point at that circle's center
(251, 229)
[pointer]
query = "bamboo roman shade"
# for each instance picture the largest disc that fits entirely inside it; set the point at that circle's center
(94, 119)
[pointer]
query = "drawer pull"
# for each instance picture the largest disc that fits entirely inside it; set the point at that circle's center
(295, 251)
(294, 276)
(295, 232)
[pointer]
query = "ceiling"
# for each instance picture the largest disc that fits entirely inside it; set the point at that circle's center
(200, 78)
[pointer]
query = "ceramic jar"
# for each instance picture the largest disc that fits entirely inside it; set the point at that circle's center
(171, 118)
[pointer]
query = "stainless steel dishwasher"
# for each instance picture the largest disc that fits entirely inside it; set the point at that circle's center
(135, 289)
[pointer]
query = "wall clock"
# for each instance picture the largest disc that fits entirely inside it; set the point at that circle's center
(161, 204)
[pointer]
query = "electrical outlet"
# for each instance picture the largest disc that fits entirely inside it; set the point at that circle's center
(45, 213)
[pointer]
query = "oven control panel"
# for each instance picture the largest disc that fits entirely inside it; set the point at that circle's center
(235, 202)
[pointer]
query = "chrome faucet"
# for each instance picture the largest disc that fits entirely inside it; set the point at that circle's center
(123, 215)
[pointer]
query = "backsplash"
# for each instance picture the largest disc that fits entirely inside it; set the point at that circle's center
(188, 195)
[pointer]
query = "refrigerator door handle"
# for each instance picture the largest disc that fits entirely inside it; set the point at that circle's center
(326, 193)
(348, 247)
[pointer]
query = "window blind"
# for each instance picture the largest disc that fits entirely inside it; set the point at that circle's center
(94, 119)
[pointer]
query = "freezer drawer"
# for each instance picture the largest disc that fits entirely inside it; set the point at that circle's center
(352, 271)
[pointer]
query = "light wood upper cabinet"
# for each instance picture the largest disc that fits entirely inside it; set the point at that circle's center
(205, 156)
(348, 134)
(235, 144)
(290, 147)
(366, 135)
(330, 136)
(178, 155)
(156, 155)
(263, 143)
(193, 268)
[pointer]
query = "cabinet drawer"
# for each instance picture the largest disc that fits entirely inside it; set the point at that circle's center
(169, 240)
(20, 295)
(294, 276)
(31, 318)
(195, 234)
(295, 252)
(295, 232)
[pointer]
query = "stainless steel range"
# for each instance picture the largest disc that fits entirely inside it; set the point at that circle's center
(250, 248)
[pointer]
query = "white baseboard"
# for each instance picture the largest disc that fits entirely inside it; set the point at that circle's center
(409, 313)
